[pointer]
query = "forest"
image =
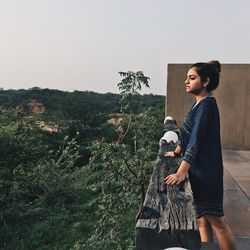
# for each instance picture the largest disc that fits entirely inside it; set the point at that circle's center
(75, 166)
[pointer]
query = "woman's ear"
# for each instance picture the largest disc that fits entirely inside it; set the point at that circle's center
(206, 82)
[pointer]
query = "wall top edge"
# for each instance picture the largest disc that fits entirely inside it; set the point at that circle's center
(221, 64)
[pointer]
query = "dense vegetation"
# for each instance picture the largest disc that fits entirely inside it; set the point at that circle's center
(74, 166)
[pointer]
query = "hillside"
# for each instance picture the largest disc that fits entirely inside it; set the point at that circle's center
(63, 104)
(59, 190)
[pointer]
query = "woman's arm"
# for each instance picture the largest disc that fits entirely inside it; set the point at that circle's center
(201, 125)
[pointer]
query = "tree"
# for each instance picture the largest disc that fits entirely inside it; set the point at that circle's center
(130, 86)
(125, 165)
(20, 149)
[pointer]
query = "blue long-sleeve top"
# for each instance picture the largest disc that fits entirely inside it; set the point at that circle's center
(200, 138)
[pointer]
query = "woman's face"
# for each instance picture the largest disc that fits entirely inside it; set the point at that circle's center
(193, 82)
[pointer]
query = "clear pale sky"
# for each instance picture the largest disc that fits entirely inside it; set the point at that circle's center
(82, 44)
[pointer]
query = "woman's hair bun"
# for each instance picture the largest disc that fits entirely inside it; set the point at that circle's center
(216, 64)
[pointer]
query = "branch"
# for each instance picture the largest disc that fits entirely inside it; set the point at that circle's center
(130, 169)
(120, 174)
(123, 136)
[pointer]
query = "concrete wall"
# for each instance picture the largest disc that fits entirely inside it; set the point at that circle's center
(232, 95)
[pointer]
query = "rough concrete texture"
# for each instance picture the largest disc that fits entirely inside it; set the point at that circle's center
(236, 197)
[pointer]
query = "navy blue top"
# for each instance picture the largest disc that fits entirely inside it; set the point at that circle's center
(201, 147)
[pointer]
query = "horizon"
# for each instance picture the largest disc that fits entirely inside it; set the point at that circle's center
(71, 91)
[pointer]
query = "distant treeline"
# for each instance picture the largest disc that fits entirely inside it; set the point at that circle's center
(73, 105)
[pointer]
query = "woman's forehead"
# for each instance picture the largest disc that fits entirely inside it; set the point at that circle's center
(193, 72)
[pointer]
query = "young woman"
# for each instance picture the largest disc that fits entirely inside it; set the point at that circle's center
(202, 158)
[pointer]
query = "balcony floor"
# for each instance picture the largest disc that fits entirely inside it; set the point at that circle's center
(237, 196)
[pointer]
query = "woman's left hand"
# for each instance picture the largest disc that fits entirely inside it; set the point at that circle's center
(174, 179)
(170, 154)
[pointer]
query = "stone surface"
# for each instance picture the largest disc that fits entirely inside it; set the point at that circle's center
(236, 195)
(236, 192)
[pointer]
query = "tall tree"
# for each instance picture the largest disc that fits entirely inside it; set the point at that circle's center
(125, 165)
(130, 87)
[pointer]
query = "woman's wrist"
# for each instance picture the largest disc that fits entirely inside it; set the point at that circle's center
(184, 167)
(175, 153)
(177, 150)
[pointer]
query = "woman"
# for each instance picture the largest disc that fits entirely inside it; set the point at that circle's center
(202, 158)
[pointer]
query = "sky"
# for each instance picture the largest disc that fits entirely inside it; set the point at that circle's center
(83, 44)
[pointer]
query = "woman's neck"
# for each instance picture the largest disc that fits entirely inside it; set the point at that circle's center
(201, 96)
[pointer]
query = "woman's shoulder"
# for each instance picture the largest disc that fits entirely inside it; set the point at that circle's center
(208, 101)
(208, 105)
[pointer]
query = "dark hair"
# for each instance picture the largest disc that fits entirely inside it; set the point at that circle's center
(209, 70)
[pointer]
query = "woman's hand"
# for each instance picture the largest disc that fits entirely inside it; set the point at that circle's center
(179, 176)
(174, 153)
(174, 179)
(170, 154)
